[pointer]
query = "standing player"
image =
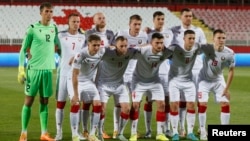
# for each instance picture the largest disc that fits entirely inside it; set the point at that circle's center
(110, 80)
(180, 79)
(135, 37)
(146, 80)
(71, 41)
(40, 39)
(178, 31)
(106, 37)
(211, 79)
(84, 67)
(158, 19)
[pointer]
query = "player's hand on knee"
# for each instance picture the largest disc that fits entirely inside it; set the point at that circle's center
(21, 77)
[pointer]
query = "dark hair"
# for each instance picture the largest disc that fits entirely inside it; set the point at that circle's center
(158, 13)
(157, 35)
(218, 31)
(73, 14)
(189, 32)
(185, 10)
(94, 37)
(121, 38)
(45, 4)
(135, 17)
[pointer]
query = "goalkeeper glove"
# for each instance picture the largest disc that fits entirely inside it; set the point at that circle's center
(21, 77)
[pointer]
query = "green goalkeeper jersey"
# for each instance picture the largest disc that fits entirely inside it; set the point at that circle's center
(41, 40)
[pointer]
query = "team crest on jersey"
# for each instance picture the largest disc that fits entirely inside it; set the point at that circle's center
(79, 40)
(52, 31)
(66, 38)
(139, 41)
(223, 58)
(166, 36)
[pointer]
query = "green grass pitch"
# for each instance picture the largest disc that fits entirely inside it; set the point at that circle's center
(12, 98)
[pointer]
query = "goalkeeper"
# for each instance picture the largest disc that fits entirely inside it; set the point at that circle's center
(41, 39)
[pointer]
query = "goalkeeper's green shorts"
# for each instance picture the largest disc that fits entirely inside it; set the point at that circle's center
(39, 81)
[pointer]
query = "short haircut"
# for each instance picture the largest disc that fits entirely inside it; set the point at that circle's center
(157, 35)
(135, 17)
(158, 13)
(121, 38)
(45, 4)
(73, 14)
(185, 10)
(94, 37)
(218, 31)
(189, 32)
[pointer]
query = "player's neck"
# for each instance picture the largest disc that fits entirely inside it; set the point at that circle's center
(218, 48)
(133, 33)
(186, 26)
(159, 29)
(99, 29)
(44, 22)
(72, 32)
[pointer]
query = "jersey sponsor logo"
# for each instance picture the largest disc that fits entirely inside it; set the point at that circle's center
(223, 58)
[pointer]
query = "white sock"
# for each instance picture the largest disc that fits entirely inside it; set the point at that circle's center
(116, 116)
(182, 113)
(95, 118)
(224, 118)
(147, 119)
(74, 123)
(134, 125)
(202, 121)
(85, 117)
(59, 119)
(122, 124)
(100, 126)
(190, 122)
(174, 119)
(160, 127)
(167, 122)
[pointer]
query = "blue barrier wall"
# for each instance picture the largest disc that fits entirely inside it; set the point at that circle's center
(11, 59)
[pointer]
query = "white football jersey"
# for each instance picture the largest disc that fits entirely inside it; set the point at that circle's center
(106, 36)
(212, 69)
(168, 37)
(114, 66)
(148, 63)
(200, 38)
(182, 62)
(70, 45)
(140, 39)
(87, 63)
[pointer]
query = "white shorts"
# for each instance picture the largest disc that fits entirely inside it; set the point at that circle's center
(119, 91)
(164, 82)
(88, 91)
(64, 88)
(187, 87)
(127, 78)
(216, 87)
(154, 90)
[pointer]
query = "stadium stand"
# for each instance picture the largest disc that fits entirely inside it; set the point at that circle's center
(234, 22)
(117, 18)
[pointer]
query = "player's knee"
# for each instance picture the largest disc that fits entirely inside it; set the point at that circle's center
(60, 104)
(75, 108)
(225, 108)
